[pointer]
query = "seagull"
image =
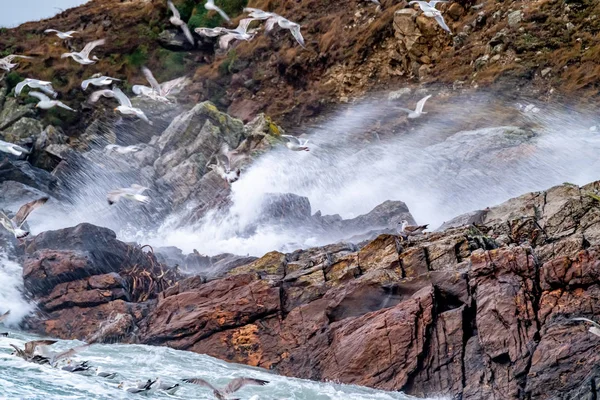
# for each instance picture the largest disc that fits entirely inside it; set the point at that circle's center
(123, 149)
(12, 148)
(4, 316)
(406, 230)
(595, 328)
(294, 144)
(105, 375)
(418, 111)
(223, 164)
(7, 64)
(157, 91)
(239, 33)
(210, 5)
(131, 193)
(257, 13)
(46, 103)
(14, 225)
(82, 57)
(62, 35)
(165, 387)
(125, 106)
(28, 353)
(285, 24)
(77, 368)
(98, 80)
(177, 21)
(430, 11)
(55, 357)
(212, 32)
(233, 386)
(138, 388)
(44, 86)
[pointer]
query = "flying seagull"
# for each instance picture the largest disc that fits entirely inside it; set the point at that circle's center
(125, 106)
(294, 144)
(12, 148)
(177, 21)
(46, 103)
(418, 111)
(62, 35)
(28, 353)
(135, 192)
(239, 33)
(83, 57)
(257, 13)
(212, 32)
(210, 5)
(55, 357)
(430, 11)
(595, 328)
(156, 91)
(284, 23)
(14, 225)
(222, 165)
(123, 149)
(406, 230)
(4, 316)
(233, 386)
(44, 86)
(98, 80)
(7, 64)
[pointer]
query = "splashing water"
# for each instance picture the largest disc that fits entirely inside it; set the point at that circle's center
(11, 297)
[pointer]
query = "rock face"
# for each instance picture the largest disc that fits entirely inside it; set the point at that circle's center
(474, 312)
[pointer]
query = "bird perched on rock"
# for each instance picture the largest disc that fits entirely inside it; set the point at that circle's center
(62, 35)
(405, 230)
(98, 80)
(177, 21)
(125, 106)
(13, 148)
(7, 64)
(430, 11)
(233, 386)
(46, 103)
(135, 193)
(595, 328)
(294, 144)
(210, 5)
(14, 225)
(418, 111)
(44, 86)
(222, 165)
(83, 57)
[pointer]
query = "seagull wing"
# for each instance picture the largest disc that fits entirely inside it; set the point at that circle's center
(18, 149)
(51, 31)
(295, 29)
(421, 103)
(31, 346)
(168, 86)
(70, 32)
(20, 352)
(114, 196)
(405, 110)
(123, 99)
(586, 320)
(151, 80)
(237, 383)
(20, 86)
(95, 96)
(6, 223)
(187, 33)
(442, 23)
(91, 46)
(200, 382)
(86, 83)
(63, 105)
(6, 314)
(40, 96)
(225, 157)
(432, 3)
(26, 209)
(221, 12)
(270, 23)
(174, 10)
(68, 353)
(291, 139)
(225, 39)
(243, 25)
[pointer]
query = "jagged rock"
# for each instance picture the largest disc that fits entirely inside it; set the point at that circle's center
(23, 128)
(173, 40)
(11, 112)
(23, 172)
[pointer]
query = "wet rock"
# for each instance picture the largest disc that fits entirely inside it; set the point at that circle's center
(23, 172)
(23, 128)
(284, 208)
(11, 112)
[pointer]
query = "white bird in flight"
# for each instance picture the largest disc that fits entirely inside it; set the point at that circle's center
(135, 193)
(62, 35)
(284, 23)
(44, 86)
(233, 386)
(46, 103)
(430, 11)
(7, 64)
(123, 149)
(12, 148)
(98, 80)
(125, 107)
(83, 57)
(156, 91)
(294, 144)
(595, 328)
(222, 166)
(177, 21)
(15, 224)
(239, 33)
(257, 13)
(418, 111)
(210, 5)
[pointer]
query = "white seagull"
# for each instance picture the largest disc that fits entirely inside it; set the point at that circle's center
(83, 57)
(211, 32)
(7, 64)
(14, 225)
(284, 23)
(123, 149)
(294, 144)
(223, 165)
(44, 86)
(177, 21)
(12, 148)
(62, 35)
(418, 111)
(406, 230)
(257, 13)
(233, 386)
(430, 11)
(239, 33)
(210, 5)
(46, 103)
(595, 328)
(125, 106)
(131, 193)
(98, 80)
(157, 91)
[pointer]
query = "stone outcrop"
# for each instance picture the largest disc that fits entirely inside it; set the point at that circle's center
(475, 311)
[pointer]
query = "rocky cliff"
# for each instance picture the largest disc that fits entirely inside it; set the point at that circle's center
(476, 311)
